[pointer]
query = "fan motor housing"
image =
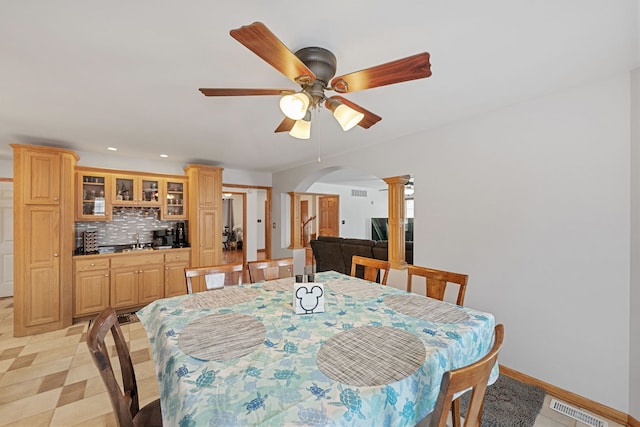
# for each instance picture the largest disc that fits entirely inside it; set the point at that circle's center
(323, 63)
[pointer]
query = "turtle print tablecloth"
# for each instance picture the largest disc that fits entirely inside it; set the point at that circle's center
(287, 378)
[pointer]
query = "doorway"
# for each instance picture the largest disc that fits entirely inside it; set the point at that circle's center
(6, 238)
(252, 214)
(328, 216)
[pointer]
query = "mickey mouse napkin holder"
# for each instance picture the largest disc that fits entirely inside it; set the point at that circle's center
(308, 298)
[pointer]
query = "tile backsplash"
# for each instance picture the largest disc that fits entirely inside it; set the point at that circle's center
(124, 225)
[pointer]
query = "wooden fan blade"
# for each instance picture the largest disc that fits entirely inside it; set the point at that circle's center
(370, 118)
(261, 41)
(285, 125)
(409, 68)
(243, 92)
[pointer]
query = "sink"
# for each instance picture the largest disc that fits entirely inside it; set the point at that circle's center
(137, 249)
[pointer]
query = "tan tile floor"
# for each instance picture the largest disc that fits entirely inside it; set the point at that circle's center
(50, 379)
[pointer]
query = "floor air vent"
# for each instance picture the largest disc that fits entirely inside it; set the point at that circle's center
(577, 414)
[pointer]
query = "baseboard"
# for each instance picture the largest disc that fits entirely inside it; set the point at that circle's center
(572, 398)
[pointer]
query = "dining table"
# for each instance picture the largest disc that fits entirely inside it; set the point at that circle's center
(241, 356)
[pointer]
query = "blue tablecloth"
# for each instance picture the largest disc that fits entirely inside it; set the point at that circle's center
(246, 359)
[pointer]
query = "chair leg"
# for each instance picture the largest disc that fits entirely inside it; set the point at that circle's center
(455, 413)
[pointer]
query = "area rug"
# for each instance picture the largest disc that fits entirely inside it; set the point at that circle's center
(125, 318)
(508, 403)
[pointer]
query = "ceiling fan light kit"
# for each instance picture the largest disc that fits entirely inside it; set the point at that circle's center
(313, 69)
(296, 105)
(345, 115)
(302, 128)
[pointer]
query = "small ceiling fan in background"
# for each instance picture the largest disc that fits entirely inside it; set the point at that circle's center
(313, 69)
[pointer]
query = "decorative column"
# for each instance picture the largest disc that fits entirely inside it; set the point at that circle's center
(296, 222)
(396, 220)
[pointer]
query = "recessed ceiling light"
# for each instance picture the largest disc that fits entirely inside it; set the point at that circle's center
(164, 156)
(112, 149)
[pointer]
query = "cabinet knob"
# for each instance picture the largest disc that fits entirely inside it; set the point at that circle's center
(92, 265)
(106, 275)
(55, 255)
(55, 199)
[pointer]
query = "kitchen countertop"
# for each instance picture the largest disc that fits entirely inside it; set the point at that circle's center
(126, 250)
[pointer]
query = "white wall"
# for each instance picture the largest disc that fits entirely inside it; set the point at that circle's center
(355, 212)
(532, 202)
(6, 168)
(634, 335)
(111, 160)
(261, 197)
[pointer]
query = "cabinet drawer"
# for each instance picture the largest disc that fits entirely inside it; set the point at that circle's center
(132, 260)
(177, 256)
(91, 264)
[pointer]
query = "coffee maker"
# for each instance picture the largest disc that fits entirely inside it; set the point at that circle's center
(180, 235)
(163, 237)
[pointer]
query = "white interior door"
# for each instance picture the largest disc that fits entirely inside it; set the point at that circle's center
(6, 239)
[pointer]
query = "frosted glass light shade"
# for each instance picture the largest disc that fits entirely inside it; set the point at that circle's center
(347, 116)
(301, 129)
(295, 105)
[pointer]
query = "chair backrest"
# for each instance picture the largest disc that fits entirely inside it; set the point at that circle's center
(474, 376)
(232, 275)
(124, 400)
(371, 268)
(270, 269)
(437, 282)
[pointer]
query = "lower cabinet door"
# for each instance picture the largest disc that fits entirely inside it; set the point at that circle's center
(91, 292)
(150, 283)
(124, 287)
(174, 280)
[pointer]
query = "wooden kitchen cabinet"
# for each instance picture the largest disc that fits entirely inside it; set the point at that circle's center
(41, 172)
(136, 190)
(91, 285)
(174, 280)
(205, 220)
(42, 296)
(93, 196)
(174, 204)
(136, 279)
(43, 238)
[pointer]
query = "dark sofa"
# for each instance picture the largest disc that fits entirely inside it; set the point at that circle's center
(334, 253)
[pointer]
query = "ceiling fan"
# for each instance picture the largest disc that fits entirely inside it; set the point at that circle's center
(313, 69)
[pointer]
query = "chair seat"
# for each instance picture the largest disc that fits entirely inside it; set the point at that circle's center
(150, 415)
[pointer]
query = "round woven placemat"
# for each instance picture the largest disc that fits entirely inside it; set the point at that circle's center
(356, 289)
(426, 308)
(222, 336)
(285, 284)
(218, 298)
(371, 356)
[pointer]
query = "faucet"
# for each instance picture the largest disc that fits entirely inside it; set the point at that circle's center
(137, 241)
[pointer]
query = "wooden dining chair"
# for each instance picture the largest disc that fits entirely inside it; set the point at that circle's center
(232, 275)
(475, 377)
(270, 269)
(437, 281)
(125, 400)
(371, 268)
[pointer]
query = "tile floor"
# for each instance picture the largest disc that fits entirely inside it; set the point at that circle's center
(50, 379)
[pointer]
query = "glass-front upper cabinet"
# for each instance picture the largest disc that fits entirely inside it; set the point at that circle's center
(136, 190)
(175, 202)
(93, 198)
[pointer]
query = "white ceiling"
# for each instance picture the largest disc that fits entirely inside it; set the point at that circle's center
(87, 74)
